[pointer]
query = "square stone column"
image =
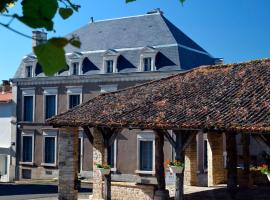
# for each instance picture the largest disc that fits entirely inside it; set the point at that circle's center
(216, 169)
(98, 157)
(191, 164)
(68, 164)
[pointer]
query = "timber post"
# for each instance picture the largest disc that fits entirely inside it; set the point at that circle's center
(231, 164)
(161, 193)
(180, 156)
(246, 158)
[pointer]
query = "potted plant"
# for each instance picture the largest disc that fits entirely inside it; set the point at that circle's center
(175, 166)
(104, 168)
(264, 168)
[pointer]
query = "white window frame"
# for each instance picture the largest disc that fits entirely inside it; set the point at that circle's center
(114, 60)
(48, 91)
(207, 151)
(71, 68)
(28, 134)
(81, 137)
(108, 88)
(32, 68)
(114, 168)
(148, 52)
(73, 90)
(28, 92)
(49, 134)
(146, 135)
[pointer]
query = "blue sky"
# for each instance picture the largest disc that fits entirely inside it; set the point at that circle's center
(237, 30)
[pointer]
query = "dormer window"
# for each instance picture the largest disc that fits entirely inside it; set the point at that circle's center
(109, 66)
(148, 59)
(147, 63)
(29, 71)
(75, 68)
(110, 58)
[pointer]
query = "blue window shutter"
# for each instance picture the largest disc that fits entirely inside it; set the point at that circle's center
(49, 150)
(50, 109)
(28, 108)
(27, 149)
(146, 155)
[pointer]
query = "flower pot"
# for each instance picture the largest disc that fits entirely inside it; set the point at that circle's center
(104, 171)
(176, 170)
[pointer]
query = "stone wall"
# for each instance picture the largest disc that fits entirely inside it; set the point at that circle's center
(132, 191)
(67, 162)
(216, 170)
(191, 166)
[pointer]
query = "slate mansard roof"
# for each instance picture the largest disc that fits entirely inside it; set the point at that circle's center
(128, 36)
(233, 97)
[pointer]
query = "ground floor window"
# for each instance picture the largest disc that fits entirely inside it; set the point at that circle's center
(112, 155)
(27, 148)
(49, 147)
(146, 146)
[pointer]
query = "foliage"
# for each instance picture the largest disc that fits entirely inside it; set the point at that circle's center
(264, 168)
(40, 14)
(103, 166)
(175, 163)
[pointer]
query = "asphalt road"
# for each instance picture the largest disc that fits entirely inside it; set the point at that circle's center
(33, 191)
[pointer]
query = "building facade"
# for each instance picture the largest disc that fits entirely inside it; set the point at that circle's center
(115, 54)
(7, 134)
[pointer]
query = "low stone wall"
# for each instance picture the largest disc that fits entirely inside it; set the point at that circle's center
(132, 191)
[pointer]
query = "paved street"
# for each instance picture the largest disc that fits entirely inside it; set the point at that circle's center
(38, 191)
(35, 191)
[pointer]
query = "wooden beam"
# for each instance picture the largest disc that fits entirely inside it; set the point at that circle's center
(188, 140)
(169, 138)
(88, 134)
(231, 163)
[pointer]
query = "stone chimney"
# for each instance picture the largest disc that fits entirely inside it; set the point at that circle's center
(5, 86)
(38, 37)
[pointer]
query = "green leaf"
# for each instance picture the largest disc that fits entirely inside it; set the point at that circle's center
(75, 41)
(39, 13)
(51, 57)
(129, 1)
(65, 12)
(182, 1)
(59, 42)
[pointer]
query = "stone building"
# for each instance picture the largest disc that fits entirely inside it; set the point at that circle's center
(115, 54)
(7, 134)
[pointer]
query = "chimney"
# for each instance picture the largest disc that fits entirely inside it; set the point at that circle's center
(6, 86)
(92, 20)
(38, 37)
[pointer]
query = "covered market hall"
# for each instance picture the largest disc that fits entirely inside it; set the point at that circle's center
(222, 101)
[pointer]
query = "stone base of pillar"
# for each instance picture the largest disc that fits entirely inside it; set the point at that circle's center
(161, 195)
(91, 198)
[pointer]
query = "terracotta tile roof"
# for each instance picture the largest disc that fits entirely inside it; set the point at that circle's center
(6, 97)
(232, 97)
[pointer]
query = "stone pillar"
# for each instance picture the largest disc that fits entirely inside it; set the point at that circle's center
(98, 157)
(216, 169)
(68, 164)
(191, 164)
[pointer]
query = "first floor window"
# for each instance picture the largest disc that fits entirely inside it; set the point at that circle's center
(147, 63)
(27, 148)
(74, 100)
(50, 106)
(146, 155)
(49, 150)
(28, 108)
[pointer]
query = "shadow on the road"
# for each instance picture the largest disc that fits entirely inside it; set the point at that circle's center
(256, 193)
(25, 189)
